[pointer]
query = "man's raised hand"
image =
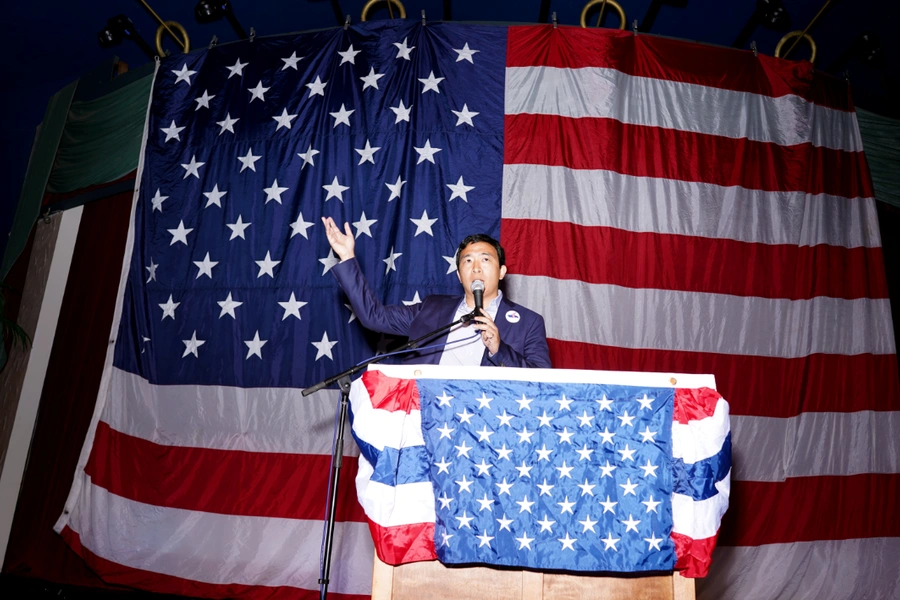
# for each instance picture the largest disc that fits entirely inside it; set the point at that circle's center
(342, 242)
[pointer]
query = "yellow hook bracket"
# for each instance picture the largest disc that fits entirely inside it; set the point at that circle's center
(167, 27)
(797, 34)
(616, 6)
(390, 3)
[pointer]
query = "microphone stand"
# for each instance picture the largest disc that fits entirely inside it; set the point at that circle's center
(337, 452)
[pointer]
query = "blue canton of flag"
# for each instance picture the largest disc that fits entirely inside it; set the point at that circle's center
(394, 127)
(571, 476)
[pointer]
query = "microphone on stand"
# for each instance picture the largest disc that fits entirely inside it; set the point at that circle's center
(478, 293)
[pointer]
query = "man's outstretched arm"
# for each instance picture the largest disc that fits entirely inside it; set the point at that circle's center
(366, 306)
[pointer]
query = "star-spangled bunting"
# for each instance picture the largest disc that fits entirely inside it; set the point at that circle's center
(523, 473)
(254, 144)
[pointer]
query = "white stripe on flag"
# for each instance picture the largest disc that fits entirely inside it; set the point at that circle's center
(205, 416)
(702, 322)
(384, 428)
(600, 198)
(607, 93)
(388, 506)
(700, 519)
(253, 551)
(773, 449)
(700, 439)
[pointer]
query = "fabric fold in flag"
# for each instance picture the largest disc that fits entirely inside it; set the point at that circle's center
(541, 469)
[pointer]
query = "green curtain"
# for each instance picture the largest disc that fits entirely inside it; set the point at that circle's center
(91, 134)
(102, 138)
(40, 165)
(881, 141)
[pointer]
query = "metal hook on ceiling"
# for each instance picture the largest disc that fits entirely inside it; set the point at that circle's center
(592, 3)
(167, 27)
(391, 3)
(799, 35)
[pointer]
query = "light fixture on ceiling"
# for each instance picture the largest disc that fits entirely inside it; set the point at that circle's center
(866, 48)
(870, 49)
(208, 11)
(771, 14)
(118, 28)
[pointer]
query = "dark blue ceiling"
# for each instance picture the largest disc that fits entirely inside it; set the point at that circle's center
(53, 43)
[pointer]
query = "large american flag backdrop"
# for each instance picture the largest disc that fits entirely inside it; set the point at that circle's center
(666, 206)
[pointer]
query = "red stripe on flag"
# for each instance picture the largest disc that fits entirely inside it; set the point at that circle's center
(694, 556)
(694, 404)
(390, 393)
(693, 264)
(805, 509)
(673, 60)
(117, 574)
(784, 388)
(403, 544)
(599, 143)
(290, 486)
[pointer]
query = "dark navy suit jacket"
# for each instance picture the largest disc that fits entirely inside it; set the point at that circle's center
(523, 341)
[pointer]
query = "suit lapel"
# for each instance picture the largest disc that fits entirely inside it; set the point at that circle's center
(503, 326)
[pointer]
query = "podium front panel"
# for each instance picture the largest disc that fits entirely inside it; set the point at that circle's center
(425, 580)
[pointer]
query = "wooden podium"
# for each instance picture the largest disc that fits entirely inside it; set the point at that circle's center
(423, 580)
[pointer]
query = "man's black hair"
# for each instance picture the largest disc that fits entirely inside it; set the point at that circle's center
(480, 237)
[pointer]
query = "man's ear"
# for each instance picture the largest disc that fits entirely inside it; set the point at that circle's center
(458, 276)
(502, 271)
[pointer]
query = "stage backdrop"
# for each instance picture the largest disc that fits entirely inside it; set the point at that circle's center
(666, 206)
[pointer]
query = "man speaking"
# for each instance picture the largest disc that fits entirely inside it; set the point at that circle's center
(504, 334)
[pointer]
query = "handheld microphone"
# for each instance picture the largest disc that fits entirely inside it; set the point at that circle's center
(478, 293)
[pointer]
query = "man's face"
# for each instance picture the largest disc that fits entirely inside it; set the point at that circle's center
(479, 261)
